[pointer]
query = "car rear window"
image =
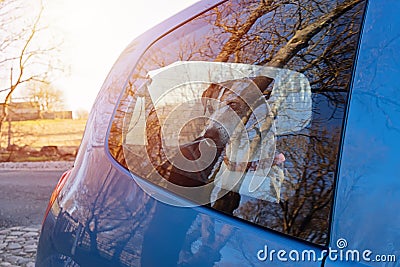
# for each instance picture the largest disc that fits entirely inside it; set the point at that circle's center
(242, 108)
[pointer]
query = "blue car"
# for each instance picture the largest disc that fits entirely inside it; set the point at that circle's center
(241, 133)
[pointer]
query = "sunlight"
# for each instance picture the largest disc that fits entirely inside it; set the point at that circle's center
(94, 33)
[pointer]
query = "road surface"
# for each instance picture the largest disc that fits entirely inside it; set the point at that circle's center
(24, 196)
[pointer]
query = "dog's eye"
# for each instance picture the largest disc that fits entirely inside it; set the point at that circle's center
(233, 104)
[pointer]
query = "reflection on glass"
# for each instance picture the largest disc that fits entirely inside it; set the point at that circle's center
(193, 124)
(290, 189)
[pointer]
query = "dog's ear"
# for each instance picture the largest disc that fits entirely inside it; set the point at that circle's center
(264, 84)
(211, 92)
(215, 89)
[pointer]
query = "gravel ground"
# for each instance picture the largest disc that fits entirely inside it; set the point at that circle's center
(18, 246)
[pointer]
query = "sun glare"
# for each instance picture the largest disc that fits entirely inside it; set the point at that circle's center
(94, 33)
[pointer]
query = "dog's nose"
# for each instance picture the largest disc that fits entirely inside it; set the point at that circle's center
(218, 134)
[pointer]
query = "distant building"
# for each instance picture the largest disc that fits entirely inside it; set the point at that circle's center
(57, 115)
(22, 111)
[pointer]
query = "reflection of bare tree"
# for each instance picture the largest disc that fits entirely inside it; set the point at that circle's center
(305, 211)
(112, 217)
(317, 38)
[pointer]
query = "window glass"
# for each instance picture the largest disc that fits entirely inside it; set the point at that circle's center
(242, 109)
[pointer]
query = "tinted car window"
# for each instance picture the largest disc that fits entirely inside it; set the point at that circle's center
(242, 108)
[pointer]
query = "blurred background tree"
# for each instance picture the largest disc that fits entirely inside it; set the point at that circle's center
(81, 114)
(28, 52)
(45, 95)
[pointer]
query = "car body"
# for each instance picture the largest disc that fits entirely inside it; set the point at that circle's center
(321, 186)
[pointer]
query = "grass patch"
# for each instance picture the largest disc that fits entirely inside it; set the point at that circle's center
(12, 157)
(39, 133)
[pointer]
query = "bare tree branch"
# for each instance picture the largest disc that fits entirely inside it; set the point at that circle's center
(20, 51)
(302, 37)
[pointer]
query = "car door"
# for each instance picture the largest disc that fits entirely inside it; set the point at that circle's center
(365, 229)
(279, 72)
